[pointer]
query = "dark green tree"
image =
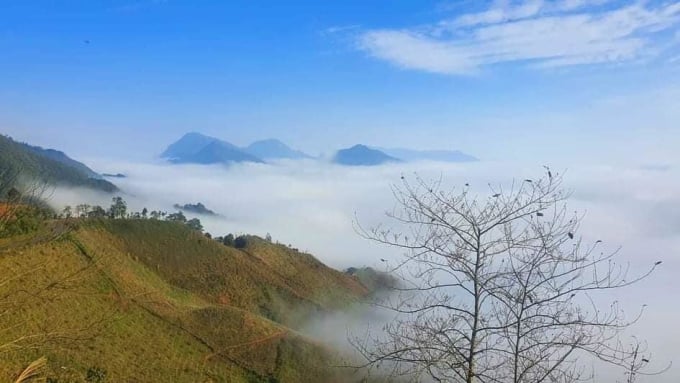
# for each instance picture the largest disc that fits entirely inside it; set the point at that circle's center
(177, 217)
(97, 212)
(118, 208)
(228, 240)
(145, 211)
(240, 242)
(195, 224)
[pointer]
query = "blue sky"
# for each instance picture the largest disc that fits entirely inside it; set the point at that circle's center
(545, 81)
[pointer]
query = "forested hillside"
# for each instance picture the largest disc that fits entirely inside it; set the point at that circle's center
(22, 162)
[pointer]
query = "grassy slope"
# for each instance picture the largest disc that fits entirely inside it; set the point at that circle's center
(152, 301)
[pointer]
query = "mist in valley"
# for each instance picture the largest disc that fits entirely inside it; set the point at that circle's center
(316, 207)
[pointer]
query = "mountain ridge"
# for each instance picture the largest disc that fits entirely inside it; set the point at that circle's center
(197, 148)
(51, 166)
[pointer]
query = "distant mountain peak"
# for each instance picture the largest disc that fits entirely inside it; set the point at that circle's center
(219, 152)
(194, 147)
(195, 134)
(362, 155)
(189, 144)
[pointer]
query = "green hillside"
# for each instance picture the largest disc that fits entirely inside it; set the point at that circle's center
(49, 166)
(153, 301)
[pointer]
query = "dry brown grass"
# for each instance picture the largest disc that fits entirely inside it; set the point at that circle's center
(32, 371)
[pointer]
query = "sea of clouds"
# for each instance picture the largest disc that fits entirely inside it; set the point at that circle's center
(315, 207)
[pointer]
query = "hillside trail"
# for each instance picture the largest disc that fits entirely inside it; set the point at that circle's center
(55, 231)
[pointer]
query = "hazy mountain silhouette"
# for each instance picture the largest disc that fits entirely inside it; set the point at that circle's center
(218, 152)
(362, 155)
(432, 155)
(189, 144)
(274, 149)
(196, 148)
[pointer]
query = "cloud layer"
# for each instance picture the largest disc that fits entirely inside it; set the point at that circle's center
(537, 33)
(313, 205)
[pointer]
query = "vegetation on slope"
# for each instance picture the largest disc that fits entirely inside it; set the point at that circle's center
(271, 280)
(149, 300)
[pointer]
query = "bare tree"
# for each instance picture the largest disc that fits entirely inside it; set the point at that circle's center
(639, 361)
(497, 288)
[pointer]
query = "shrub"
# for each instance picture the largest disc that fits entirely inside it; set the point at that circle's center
(240, 242)
(96, 375)
(228, 240)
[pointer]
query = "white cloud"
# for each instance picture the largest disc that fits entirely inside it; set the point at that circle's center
(545, 34)
(410, 50)
(312, 205)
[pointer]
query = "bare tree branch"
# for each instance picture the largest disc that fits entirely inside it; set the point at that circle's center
(497, 288)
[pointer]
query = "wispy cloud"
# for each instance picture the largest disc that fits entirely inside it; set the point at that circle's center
(340, 28)
(535, 32)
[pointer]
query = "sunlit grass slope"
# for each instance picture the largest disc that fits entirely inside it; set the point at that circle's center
(152, 301)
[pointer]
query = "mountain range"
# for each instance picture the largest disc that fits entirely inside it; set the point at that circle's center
(196, 148)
